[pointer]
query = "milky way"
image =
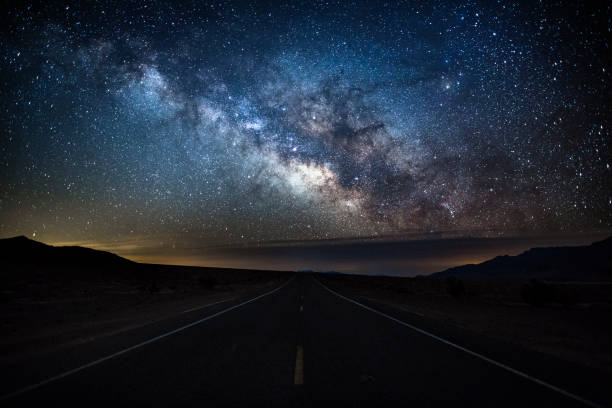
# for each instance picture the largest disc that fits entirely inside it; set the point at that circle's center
(231, 123)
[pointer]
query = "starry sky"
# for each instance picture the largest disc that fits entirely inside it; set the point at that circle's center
(193, 132)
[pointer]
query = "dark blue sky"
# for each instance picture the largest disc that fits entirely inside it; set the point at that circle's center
(185, 126)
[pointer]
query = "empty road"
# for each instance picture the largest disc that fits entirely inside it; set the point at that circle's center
(301, 344)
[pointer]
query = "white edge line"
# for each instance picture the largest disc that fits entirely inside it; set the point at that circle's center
(126, 350)
(473, 353)
(207, 305)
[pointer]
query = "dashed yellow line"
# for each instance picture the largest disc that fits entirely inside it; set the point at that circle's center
(298, 377)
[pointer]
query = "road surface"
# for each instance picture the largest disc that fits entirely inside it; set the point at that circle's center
(301, 344)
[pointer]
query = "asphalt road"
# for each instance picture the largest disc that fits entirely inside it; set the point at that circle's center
(299, 345)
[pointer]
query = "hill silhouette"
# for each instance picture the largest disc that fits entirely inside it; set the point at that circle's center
(581, 263)
(27, 252)
(24, 261)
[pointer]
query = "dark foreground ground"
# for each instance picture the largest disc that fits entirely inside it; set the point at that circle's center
(567, 320)
(45, 308)
(289, 340)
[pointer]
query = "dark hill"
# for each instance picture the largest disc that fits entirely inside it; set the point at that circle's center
(24, 261)
(580, 263)
(23, 251)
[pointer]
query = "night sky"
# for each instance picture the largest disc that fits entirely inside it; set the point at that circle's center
(165, 132)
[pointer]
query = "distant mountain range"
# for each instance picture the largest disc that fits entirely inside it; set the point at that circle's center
(324, 272)
(26, 252)
(580, 263)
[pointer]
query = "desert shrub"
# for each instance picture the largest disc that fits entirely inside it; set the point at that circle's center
(567, 296)
(404, 290)
(207, 282)
(153, 288)
(537, 293)
(454, 287)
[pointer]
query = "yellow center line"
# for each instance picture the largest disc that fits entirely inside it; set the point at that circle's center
(298, 378)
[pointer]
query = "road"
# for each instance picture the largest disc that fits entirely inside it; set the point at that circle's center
(300, 345)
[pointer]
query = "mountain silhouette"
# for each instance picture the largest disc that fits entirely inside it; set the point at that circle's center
(581, 263)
